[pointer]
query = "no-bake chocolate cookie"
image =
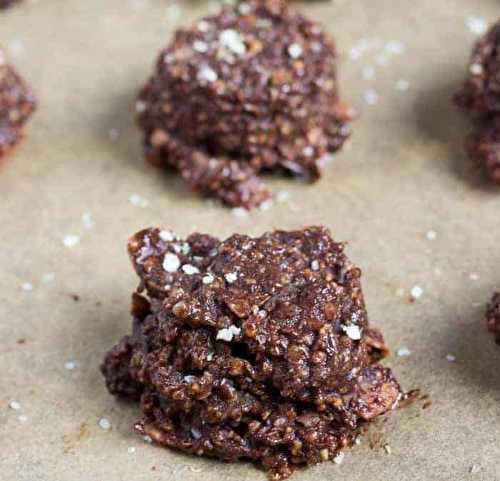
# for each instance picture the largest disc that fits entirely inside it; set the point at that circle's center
(251, 348)
(493, 316)
(480, 97)
(252, 89)
(17, 103)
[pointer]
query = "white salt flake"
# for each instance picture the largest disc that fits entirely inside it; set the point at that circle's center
(308, 151)
(200, 46)
(22, 418)
(147, 439)
(315, 265)
(131, 450)
(105, 424)
(416, 292)
(231, 277)
(266, 205)
(71, 240)
(190, 269)
(196, 433)
(239, 212)
(233, 41)
(208, 279)
(402, 85)
(352, 331)
(339, 458)
(283, 196)
(244, 8)
(15, 405)
(167, 235)
(474, 469)
(69, 365)
(48, 277)
(203, 26)
(138, 201)
(140, 106)
(227, 334)
(394, 47)
(451, 358)
(26, 286)
(294, 50)
(387, 448)
(370, 96)
(431, 235)
(476, 69)
(477, 25)
(171, 262)
(207, 74)
(87, 220)
(473, 276)
(403, 351)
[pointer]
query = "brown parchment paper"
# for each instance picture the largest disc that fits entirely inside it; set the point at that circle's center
(403, 174)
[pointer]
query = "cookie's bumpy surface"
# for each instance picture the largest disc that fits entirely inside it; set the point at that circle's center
(17, 103)
(480, 97)
(251, 89)
(254, 348)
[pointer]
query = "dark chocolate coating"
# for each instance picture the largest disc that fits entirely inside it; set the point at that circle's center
(249, 90)
(255, 348)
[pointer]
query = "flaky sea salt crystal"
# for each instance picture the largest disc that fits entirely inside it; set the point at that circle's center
(190, 269)
(138, 200)
(403, 351)
(71, 240)
(105, 424)
(294, 50)
(208, 279)
(15, 405)
(352, 331)
(416, 292)
(227, 334)
(339, 458)
(231, 277)
(233, 41)
(171, 262)
(26, 286)
(207, 74)
(200, 46)
(167, 235)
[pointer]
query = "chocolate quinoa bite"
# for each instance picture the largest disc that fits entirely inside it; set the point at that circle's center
(480, 97)
(250, 90)
(17, 103)
(493, 316)
(250, 348)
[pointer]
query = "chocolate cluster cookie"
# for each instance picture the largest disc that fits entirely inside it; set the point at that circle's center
(249, 90)
(17, 103)
(251, 348)
(493, 316)
(480, 97)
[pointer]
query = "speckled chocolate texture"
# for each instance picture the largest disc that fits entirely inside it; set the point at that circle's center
(17, 103)
(251, 348)
(493, 316)
(252, 89)
(480, 97)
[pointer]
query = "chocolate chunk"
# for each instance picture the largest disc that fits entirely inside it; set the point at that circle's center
(493, 316)
(250, 90)
(17, 103)
(252, 348)
(480, 97)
